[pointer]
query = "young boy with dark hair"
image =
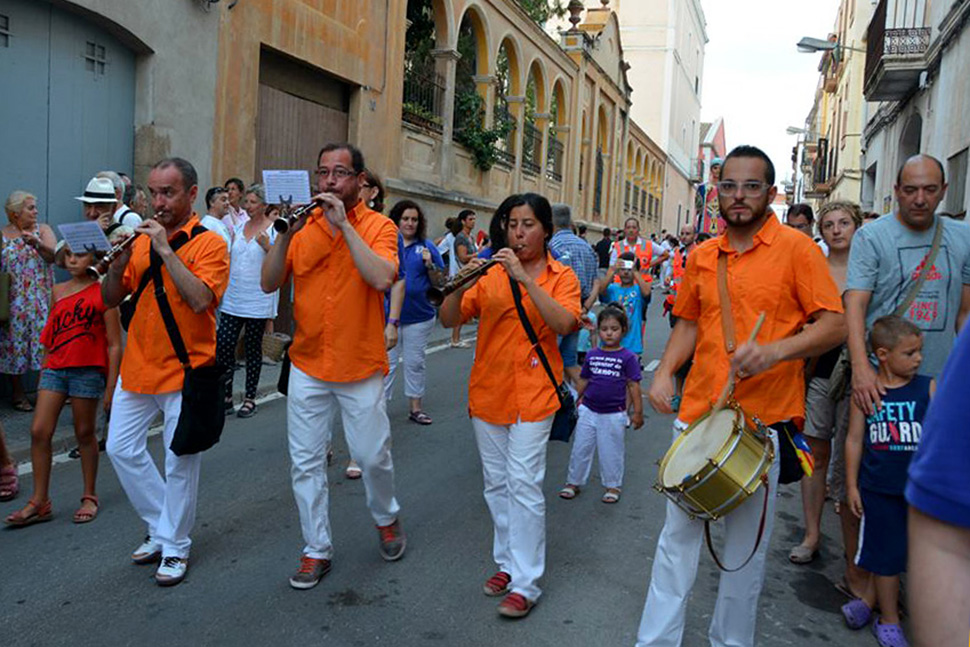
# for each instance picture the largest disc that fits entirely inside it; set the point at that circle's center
(877, 454)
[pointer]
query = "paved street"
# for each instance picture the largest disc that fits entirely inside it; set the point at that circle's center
(62, 584)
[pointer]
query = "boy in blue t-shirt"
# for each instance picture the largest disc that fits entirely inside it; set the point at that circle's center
(631, 293)
(878, 450)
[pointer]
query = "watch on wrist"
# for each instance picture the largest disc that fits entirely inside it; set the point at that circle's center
(394, 322)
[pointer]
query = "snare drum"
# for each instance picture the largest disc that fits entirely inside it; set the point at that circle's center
(716, 464)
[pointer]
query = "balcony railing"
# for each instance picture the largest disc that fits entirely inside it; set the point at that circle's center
(531, 149)
(897, 42)
(424, 92)
(554, 159)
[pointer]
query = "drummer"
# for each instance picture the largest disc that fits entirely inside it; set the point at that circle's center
(770, 269)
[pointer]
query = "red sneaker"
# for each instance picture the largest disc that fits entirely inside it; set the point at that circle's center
(393, 541)
(310, 573)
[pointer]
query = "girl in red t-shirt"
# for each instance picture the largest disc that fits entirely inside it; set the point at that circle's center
(83, 342)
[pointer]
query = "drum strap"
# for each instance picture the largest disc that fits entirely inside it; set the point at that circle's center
(727, 320)
(757, 542)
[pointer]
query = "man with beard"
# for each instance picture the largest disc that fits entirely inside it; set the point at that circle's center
(343, 257)
(194, 278)
(771, 269)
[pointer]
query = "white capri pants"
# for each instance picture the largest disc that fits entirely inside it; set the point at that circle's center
(311, 405)
(411, 343)
(167, 506)
(514, 466)
(675, 569)
(603, 433)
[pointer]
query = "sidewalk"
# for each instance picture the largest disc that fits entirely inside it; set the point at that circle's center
(16, 424)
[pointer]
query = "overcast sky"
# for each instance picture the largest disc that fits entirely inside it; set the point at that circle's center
(755, 78)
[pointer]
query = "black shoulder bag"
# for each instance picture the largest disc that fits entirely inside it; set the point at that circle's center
(566, 417)
(203, 413)
(127, 307)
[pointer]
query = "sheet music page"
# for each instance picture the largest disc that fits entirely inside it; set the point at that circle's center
(287, 186)
(85, 235)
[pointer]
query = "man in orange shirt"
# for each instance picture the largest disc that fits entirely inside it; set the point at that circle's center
(772, 269)
(343, 258)
(649, 253)
(194, 278)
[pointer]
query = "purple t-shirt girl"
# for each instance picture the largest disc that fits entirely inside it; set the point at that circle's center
(608, 373)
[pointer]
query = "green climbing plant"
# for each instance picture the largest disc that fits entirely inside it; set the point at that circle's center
(472, 133)
(542, 10)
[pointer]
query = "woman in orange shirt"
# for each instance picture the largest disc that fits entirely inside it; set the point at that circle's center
(511, 399)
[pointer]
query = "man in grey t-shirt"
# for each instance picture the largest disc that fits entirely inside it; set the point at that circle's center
(887, 257)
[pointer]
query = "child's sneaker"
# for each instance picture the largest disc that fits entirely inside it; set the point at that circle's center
(889, 635)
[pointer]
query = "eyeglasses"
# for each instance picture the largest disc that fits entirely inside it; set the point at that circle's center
(751, 189)
(339, 173)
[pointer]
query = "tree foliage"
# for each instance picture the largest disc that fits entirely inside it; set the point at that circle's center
(542, 10)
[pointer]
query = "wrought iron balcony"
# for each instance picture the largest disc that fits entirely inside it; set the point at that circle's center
(897, 42)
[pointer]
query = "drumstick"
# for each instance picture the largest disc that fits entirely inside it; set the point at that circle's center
(729, 387)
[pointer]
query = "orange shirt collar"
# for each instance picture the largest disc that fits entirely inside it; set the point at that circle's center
(766, 235)
(187, 227)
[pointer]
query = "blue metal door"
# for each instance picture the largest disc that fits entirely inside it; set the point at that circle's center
(68, 106)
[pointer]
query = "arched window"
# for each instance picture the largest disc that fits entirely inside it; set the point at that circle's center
(473, 49)
(555, 156)
(424, 86)
(535, 102)
(506, 78)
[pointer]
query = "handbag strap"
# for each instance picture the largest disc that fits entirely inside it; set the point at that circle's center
(176, 244)
(724, 297)
(533, 338)
(928, 262)
(161, 297)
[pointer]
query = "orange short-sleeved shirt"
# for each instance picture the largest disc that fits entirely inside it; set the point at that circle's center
(508, 381)
(784, 275)
(149, 364)
(339, 317)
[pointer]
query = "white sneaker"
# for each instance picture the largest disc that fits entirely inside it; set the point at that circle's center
(171, 571)
(148, 552)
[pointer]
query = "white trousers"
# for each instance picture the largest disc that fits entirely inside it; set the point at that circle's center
(675, 568)
(166, 505)
(311, 405)
(411, 343)
(603, 433)
(514, 466)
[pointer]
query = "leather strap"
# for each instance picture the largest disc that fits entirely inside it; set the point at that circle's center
(928, 262)
(724, 296)
(757, 541)
(534, 339)
(176, 244)
(161, 297)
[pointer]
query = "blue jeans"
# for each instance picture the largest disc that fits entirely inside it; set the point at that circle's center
(568, 346)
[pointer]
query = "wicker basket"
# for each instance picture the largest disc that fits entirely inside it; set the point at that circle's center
(274, 344)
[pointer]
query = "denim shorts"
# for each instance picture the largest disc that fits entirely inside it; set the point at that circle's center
(83, 382)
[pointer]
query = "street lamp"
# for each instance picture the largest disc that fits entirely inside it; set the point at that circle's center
(809, 45)
(792, 130)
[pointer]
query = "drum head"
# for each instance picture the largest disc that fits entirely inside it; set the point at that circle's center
(701, 443)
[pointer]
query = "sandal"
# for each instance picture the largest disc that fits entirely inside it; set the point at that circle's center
(23, 405)
(9, 483)
(857, 614)
(229, 406)
(83, 515)
(247, 410)
(569, 492)
(420, 417)
(31, 513)
(353, 471)
(802, 554)
(612, 495)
